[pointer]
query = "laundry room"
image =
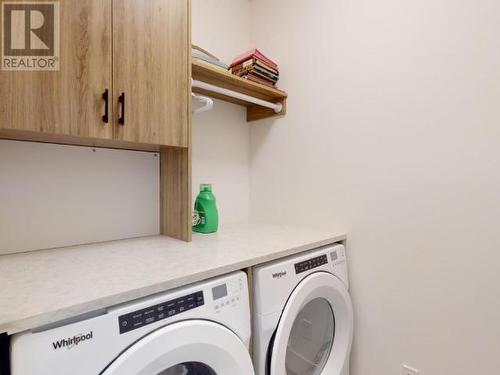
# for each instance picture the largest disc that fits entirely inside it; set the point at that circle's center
(249, 187)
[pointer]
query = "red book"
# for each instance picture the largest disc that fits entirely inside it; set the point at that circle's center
(253, 53)
(251, 62)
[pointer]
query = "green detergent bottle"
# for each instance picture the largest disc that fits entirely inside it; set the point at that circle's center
(207, 220)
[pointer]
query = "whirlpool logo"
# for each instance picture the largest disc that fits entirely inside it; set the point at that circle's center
(279, 275)
(30, 35)
(71, 342)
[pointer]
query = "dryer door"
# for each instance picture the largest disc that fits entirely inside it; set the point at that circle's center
(314, 334)
(193, 347)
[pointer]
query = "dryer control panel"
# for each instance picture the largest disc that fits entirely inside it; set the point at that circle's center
(140, 318)
(309, 264)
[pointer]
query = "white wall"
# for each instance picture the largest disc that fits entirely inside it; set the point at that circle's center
(393, 134)
(53, 195)
(221, 137)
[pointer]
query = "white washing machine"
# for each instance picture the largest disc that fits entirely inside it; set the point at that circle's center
(203, 329)
(303, 316)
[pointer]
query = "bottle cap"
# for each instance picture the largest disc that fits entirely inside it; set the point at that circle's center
(206, 187)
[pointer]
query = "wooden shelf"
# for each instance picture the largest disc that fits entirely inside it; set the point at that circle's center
(205, 72)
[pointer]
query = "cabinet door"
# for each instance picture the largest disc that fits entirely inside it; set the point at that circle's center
(151, 68)
(68, 101)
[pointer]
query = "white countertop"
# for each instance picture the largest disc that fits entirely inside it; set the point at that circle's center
(46, 286)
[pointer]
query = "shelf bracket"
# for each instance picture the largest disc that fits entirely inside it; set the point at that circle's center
(207, 103)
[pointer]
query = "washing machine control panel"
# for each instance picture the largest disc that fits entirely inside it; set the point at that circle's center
(309, 264)
(143, 317)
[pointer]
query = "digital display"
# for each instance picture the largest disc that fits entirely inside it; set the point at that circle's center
(219, 291)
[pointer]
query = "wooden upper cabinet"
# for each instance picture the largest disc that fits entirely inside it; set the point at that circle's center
(151, 70)
(67, 101)
(137, 50)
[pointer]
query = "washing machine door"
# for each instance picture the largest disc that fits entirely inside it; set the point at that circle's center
(194, 347)
(314, 334)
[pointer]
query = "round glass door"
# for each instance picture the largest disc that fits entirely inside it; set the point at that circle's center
(311, 339)
(189, 368)
(314, 333)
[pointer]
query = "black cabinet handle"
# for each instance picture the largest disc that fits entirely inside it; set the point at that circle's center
(121, 100)
(105, 96)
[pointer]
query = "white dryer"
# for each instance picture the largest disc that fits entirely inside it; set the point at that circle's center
(203, 329)
(303, 316)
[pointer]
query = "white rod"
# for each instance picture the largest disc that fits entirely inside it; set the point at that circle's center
(277, 107)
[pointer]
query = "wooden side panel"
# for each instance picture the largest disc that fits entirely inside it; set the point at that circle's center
(175, 193)
(151, 48)
(249, 272)
(68, 101)
(175, 168)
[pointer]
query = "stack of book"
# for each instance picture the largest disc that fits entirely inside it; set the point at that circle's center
(256, 67)
(200, 53)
